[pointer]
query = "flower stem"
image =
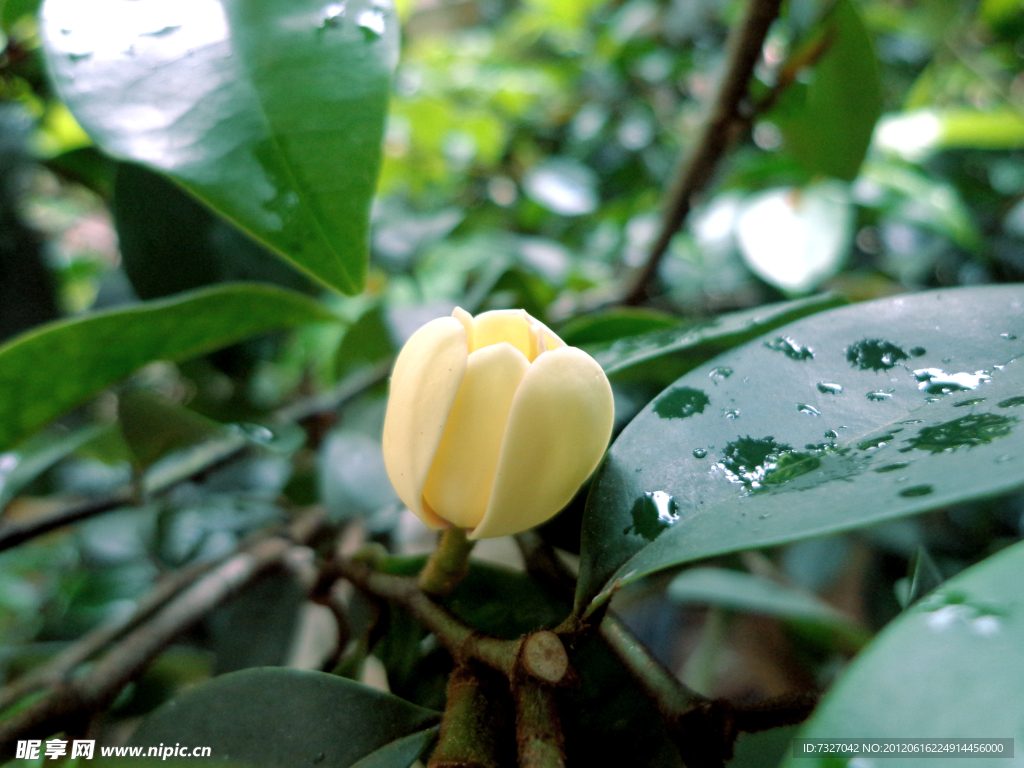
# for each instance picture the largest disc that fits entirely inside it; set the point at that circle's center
(448, 565)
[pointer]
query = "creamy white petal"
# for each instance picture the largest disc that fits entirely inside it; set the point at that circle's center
(539, 330)
(467, 322)
(498, 325)
(424, 384)
(459, 484)
(558, 429)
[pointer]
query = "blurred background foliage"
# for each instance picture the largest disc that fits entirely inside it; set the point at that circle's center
(525, 156)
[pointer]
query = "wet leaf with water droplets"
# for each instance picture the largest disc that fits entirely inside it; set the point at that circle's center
(242, 104)
(847, 482)
(950, 665)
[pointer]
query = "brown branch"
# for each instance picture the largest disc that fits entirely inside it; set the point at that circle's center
(538, 727)
(69, 706)
(58, 670)
(668, 692)
(349, 387)
(547, 662)
(474, 719)
(192, 465)
(718, 134)
(15, 532)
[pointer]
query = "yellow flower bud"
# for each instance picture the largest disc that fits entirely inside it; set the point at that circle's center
(493, 423)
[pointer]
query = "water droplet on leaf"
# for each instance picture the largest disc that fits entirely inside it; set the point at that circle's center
(874, 355)
(790, 348)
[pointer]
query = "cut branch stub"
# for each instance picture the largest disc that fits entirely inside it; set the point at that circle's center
(544, 657)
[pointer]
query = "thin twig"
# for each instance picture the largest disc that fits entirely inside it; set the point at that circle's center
(660, 685)
(58, 670)
(191, 464)
(69, 706)
(349, 387)
(719, 131)
(546, 660)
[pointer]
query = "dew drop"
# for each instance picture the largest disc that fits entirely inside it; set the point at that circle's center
(878, 395)
(916, 490)
(831, 434)
(699, 453)
(893, 467)
(332, 15)
(732, 413)
(1008, 336)
(1004, 459)
(986, 626)
(372, 24)
(720, 374)
(918, 351)
(163, 31)
(681, 403)
(790, 348)
(935, 381)
(828, 388)
(808, 409)
(874, 355)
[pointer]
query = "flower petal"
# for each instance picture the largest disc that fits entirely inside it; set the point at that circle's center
(467, 322)
(459, 484)
(424, 383)
(498, 325)
(558, 429)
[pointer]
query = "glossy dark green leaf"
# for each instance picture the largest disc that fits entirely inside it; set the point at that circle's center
(839, 420)
(401, 753)
(667, 354)
(256, 628)
(281, 718)
(493, 600)
(271, 112)
(170, 242)
(827, 124)
(45, 372)
(615, 324)
(949, 667)
(746, 592)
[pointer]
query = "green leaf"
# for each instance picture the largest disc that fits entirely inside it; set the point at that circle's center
(615, 324)
(12, 11)
(55, 367)
(34, 456)
(280, 718)
(367, 341)
(840, 420)
(400, 753)
(755, 594)
(154, 427)
(170, 242)
(950, 667)
(827, 124)
(272, 113)
(256, 628)
(667, 354)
